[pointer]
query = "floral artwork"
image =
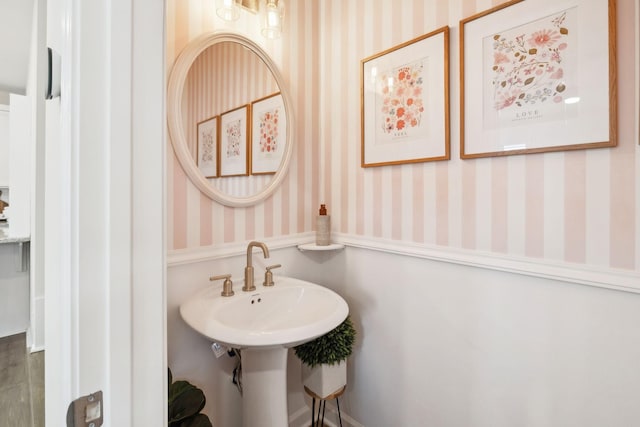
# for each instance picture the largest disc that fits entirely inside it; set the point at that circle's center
(269, 131)
(531, 70)
(233, 142)
(538, 76)
(269, 134)
(207, 147)
(405, 92)
(402, 105)
(234, 138)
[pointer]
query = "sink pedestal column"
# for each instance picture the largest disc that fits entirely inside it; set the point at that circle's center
(264, 387)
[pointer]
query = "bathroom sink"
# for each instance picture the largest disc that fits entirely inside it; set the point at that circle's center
(287, 314)
(264, 323)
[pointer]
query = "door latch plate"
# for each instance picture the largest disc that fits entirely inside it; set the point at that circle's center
(86, 411)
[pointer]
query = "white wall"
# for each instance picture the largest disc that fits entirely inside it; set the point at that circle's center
(445, 345)
(20, 173)
(4, 145)
(449, 345)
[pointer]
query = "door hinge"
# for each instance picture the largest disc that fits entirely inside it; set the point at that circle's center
(85, 411)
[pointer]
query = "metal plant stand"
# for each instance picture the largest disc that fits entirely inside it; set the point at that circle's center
(315, 422)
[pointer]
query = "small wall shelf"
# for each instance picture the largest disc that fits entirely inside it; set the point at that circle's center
(314, 247)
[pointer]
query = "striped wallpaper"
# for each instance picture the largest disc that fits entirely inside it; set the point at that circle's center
(576, 207)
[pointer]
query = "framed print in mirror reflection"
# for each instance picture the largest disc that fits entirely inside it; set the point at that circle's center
(268, 133)
(208, 147)
(234, 131)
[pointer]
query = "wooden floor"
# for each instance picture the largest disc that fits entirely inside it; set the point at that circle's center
(21, 384)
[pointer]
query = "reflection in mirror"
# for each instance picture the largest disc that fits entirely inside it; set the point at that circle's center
(214, 77)
(224, 77)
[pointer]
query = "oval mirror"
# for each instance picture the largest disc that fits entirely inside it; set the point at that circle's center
(229, 118)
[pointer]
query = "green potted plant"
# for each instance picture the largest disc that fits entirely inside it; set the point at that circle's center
(324, 359)
(185, 403)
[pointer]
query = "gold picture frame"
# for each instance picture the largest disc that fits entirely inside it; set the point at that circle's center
(538, 77)
(405, 102)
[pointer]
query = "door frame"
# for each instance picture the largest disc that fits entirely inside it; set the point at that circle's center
(105, 301)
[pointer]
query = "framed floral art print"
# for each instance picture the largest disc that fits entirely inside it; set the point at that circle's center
(268, 134)
(207, 150)
(538, 76)
(405, 102)
(233, 148)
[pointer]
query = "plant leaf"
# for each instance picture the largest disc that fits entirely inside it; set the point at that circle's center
(177, 388)
(185, 403)
(185, 400)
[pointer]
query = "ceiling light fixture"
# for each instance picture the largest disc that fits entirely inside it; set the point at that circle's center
(272, 17)
(227, 10)
(271, 13)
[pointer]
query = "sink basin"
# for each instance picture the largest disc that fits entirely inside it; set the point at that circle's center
(263, 324)
(287, 314)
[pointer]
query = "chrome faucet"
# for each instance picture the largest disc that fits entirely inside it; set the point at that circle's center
(248, 270)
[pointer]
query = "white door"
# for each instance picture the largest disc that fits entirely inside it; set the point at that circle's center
(105, 250)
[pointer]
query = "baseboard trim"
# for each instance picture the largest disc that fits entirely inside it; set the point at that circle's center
(300, 418)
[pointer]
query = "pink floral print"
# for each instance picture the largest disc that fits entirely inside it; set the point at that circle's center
(527, 67)
(234, 135)
(402, 103)
(269, 131)
(208, 146)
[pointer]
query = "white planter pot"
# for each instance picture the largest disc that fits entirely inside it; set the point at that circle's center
(324, 380)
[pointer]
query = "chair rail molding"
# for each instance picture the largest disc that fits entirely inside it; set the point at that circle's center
(603, 277)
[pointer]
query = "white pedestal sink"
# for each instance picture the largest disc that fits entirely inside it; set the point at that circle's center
(263, 324)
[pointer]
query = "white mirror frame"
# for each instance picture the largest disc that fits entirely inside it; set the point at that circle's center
(177, 134)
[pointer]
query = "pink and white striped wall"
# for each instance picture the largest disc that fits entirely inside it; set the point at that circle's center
(571, 207)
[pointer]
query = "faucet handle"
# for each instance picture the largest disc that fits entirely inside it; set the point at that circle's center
(268, 275)
(227, 286)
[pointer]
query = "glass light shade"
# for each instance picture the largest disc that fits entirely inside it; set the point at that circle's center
(272, 16)
(227, 10)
